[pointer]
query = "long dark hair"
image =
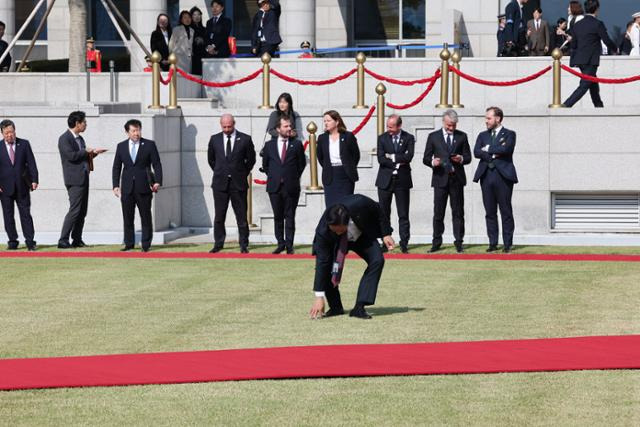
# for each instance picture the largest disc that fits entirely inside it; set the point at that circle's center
(287, 97)
(336, 116)
(158, 29)
(196, 26)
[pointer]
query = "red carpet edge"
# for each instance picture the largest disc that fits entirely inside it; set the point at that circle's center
(480, 357)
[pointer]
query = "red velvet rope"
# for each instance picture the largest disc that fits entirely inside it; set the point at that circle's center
(399, 82)
(507, 83)
(169, 77)
(419, 99)
(312, 82)
(598, 79)
(224, 84)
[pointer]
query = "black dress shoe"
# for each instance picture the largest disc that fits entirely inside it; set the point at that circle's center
(126, 248)
(145, 248)
(334, 312)
(32, 248)
(278, 250)
(12, 246)
(290, 251)
(360, 313)
(459, 249)
(492, 248)
(507, 250)
(434, 248)
(404, 249)
(244, 250)
(215, 249)
(78, 244)
(64, 245)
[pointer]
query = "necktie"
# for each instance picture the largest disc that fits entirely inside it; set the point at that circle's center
(215, 20)
(12, 154)
(493, 137)
(338, 265)
(228, 153)
(395, 143)
(537, 25)
(283, 153)
(449, 145)
(134, 151)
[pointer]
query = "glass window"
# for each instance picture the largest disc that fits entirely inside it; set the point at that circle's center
(23, 9)
(243, 12)
(377, 19)
(173, 10)
(413, 19)
(101, 25)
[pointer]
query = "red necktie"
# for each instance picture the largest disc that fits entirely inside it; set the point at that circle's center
(283, 153)
(338, 265)
(12, 154)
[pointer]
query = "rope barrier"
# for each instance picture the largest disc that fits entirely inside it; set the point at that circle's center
(312, 82)
(169, 77)
(599, 79)
(215, 84)
(506, 83)
(398, 82)
(419, 99)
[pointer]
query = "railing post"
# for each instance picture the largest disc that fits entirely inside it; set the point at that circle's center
(266, 82)
(381, 90)
(444, 77)
(312, 128)
(557, 75)
(173, 85)
(455, 81)
(360, 60)
(155, 80)
(250, 202)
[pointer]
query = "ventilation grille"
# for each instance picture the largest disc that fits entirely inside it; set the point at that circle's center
(596, 212)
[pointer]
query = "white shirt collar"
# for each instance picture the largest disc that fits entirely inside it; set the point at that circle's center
(131, 141)
(444, 133)
(353, 232)
(498, 129)
(74, 134)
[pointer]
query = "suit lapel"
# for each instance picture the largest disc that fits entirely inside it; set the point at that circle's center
(4, 153)
(236, 145)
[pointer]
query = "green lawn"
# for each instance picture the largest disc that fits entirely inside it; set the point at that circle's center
(81, 307)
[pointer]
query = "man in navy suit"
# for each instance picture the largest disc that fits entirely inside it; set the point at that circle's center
(265, 30)
(283, 161)
(356, 224)
(587, 35)
(134, 182)
(18, 176)
(497, 175)
(231, 157)
(516, 30)
(446, 153)
(217, 32)
(395, 152)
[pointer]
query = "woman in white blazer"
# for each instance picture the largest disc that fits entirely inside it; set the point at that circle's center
(181, 43)
(634, 35)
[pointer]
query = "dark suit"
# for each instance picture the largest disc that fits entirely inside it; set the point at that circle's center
(229, 182)
(283, 186)
(75, 170)
(502, 39)
(368, 217)
(158, 43)
(15, 180)
(586, 48)
(394, 178)
(497, 175)
(515, 30)
(6, 63)
(267, 27)
(218, 34)
(135, 180)
(339, 181)
(198, 49)
(448, 181)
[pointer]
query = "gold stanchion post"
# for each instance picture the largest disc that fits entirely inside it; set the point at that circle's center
(173, 85)
(312, 128)
(455, 81)
(557, 74)
(360, 60)
(444, 77)
(266, 81)
(381, 90)
(155, 80)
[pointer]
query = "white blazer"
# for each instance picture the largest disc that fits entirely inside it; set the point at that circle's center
(182, 46)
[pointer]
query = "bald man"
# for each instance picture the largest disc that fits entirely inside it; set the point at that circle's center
(231, 157)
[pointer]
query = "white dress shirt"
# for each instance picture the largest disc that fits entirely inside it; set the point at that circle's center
(334, 151)
(224, 141)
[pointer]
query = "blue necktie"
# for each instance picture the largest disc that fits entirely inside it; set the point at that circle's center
(134, 151)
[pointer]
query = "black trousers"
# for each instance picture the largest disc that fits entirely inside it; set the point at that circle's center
(454, 191)
(221, 205)
(284, 206)
(340, 186)
(496, 193)
(267, 48)
(129, 203)
(402, 206)
(78, 205)
(24, 209)
(369, 250)
(586, 86)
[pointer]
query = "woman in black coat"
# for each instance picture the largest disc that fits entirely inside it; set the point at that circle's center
(199, 45)
(338, 154)
(160, 40)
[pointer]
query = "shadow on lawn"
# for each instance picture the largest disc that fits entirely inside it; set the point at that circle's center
(386, 311)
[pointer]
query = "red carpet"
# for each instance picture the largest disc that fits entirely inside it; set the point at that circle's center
(227, 255)
(536, 355)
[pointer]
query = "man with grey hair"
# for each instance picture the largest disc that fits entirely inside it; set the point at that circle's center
(231, 156)
(395, 151)
(446, 153)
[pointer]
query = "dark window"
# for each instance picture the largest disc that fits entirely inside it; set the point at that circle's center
(242, 16)
(413, 19)
(377, 19)
(23, 10)
(102, 28)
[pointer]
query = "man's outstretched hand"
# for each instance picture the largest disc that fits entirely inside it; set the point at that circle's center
(389, 243)
(317, 309)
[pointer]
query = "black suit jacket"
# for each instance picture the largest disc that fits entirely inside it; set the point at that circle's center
(75, 161)
(7, 61)
(403, 157)
(515, 22)
(287, 173)
(437, 147)
(137, 176)
(349, 155)
(503, 148)
(586, 46)
(159, 43)
(218, 34)
(270, 25)
(14, 179)
(366, 215)
(237, 167)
